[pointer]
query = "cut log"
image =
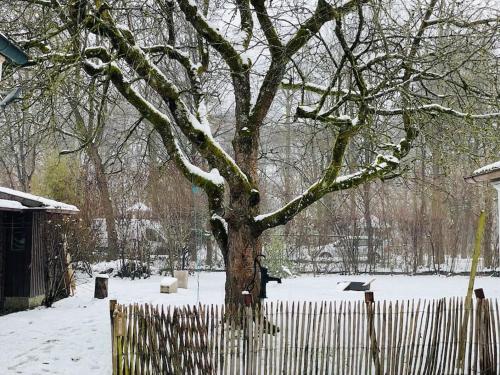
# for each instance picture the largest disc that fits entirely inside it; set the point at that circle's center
(168, 285)
(101, 286)
(182, 279)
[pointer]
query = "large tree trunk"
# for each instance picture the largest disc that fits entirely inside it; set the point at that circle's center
(243, 244)
(242, 273)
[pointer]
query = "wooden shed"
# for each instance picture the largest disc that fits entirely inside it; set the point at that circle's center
(32, 249)
(491, 174)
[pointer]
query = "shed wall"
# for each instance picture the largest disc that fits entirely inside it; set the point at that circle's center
(2, 259)
(17, 263)
(38, 255)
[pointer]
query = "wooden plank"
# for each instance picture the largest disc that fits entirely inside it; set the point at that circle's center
(322, 352)
(125, 350)
(469, 350)
(293, 339)
(497, 319)
(494, 337)
(386, 341)
(262, 341)
(348, 343)
(114, 342)
(271, 335)
(226, 340)
(361, 337)
(232, 342)
(477, 331)
(367, 339)
(310, 338)
(286, 343)
(280, 351)
(449, 357)
(307, 336)
(266, 341)
(398, 339)
(422, 350)
(214, 334)
(434, 338)
(301, 338)
(412, 338)
(337, 342)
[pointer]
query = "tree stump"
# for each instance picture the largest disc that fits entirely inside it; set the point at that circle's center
(101, 286)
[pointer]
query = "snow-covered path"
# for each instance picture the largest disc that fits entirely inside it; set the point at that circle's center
(73, 337)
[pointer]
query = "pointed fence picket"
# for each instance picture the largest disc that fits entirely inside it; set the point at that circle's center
(402, 337)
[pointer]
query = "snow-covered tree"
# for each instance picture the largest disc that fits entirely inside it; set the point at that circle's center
(356, 66)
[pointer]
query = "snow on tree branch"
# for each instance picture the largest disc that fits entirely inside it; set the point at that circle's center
(212, 35)
(212, 182)
(382, 166)
(199, 135)
(312, 113)
(433, 108)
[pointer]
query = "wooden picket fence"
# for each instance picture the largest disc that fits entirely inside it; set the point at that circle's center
(409, 337)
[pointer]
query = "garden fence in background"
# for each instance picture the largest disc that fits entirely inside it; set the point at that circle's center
(409, 337)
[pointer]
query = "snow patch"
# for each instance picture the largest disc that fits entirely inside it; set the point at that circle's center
(10, 205)
(212, 176)
(246, 58)
(307, 108)
(43, 203)
(222, 220)
(168, 281)
(487, 168)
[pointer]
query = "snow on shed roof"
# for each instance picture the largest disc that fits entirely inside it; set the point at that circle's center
(15, 200)
(487, 168)
(6, 205)
(490, 172)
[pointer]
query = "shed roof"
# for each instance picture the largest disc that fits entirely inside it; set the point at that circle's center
(14, 200)
(490, 172)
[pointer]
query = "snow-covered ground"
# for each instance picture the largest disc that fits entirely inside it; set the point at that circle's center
(73, 337)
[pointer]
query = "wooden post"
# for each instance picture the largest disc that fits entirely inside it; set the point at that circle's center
(369, 297)
(486, 363)
(118, 339)
(370, 314)
(101, 286)
(112, 307)
(479, 293)
(247, 339)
